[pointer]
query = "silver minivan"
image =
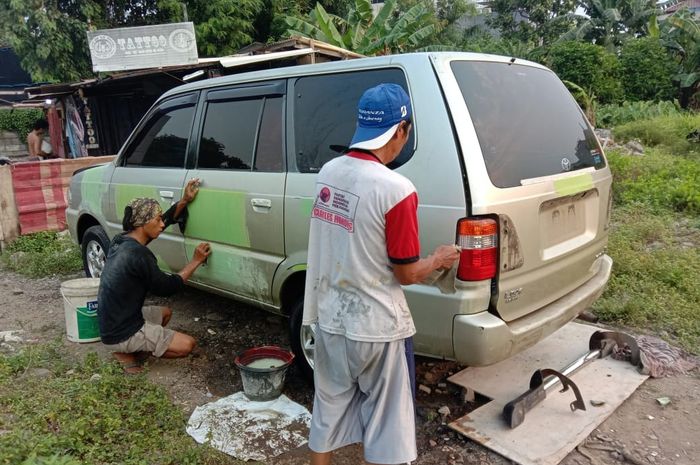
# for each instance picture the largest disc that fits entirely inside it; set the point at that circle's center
(503, 159)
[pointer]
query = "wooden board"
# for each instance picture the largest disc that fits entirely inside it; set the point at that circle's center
(9, 217)
(551, 430)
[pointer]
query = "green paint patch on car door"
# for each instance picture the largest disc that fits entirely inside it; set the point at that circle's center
(219, 216)
(93, 190)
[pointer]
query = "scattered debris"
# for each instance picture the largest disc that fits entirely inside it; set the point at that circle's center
(444, 411)
(650, 417)
(211, 331)
(17, 291)
(250, 430)
(11, 336)
(424, 388)
(96, 377)
(663, 401)
(597, 403)
(659, 358)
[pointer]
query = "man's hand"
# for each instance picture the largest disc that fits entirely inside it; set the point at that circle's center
(445, 256)
(201, 253)
(191, 190)
(413, 273)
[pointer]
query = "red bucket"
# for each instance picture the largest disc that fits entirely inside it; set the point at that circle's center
(263, 370)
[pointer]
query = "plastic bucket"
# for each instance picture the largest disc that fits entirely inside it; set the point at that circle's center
(263, 370)
(80, 304)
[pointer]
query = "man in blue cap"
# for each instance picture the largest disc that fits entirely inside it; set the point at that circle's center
(363, 245)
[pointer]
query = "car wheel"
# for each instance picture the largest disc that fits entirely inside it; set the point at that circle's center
(94, 247)
(302, 338)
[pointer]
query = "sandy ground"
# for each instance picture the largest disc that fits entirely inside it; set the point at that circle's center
(640, 432)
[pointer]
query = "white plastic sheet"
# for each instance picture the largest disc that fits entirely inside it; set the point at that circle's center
(250, 430)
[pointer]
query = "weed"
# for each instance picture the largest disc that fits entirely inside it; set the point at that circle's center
(43, 254)
(613, 115)
(673, 132)
(88, 412)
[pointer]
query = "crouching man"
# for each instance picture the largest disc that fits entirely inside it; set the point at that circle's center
(127, 327)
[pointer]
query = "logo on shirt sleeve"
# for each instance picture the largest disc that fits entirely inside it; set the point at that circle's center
(336, 206)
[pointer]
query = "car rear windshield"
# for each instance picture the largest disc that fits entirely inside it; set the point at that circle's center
(526, 120)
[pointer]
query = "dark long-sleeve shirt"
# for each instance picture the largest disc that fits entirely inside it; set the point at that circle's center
(131, 271)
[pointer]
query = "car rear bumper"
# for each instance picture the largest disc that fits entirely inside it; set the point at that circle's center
(484, 339)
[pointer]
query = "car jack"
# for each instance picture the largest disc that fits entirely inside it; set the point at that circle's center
(601, 344)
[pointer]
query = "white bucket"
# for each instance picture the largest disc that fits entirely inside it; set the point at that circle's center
(80, 303)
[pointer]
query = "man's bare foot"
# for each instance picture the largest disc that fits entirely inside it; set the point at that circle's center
(129, 364)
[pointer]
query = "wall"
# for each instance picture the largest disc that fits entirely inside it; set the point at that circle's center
(11, 146)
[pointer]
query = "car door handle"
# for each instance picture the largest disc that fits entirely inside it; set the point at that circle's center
(261, 203)
(167, 194)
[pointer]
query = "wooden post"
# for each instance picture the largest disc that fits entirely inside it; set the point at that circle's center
(9, 217)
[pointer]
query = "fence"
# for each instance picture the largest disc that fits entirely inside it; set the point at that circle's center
(33, 195)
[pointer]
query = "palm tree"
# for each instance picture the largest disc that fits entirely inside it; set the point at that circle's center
(389, 32)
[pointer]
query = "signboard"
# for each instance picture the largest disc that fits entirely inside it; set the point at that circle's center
(143, 47)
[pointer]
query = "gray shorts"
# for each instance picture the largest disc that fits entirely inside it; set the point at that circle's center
(152, 337)
(363, 394)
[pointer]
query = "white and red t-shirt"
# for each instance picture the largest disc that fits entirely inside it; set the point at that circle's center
(363, 220)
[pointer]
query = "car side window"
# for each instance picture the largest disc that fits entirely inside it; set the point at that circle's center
(163, 141)
(325, 115)
(244, 134)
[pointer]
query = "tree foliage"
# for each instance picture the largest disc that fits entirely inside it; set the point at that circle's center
(539, 22)
(588, 66)
(50, 35)
(647, 70)
(610, 22)
(680, 34)
(391, 31)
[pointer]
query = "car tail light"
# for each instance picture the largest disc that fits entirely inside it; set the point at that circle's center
(478, 238)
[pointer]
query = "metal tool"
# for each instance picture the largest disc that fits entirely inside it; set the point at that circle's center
(601, 344)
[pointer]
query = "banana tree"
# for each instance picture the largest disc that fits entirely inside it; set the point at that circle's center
(390, 31)
(680, 33)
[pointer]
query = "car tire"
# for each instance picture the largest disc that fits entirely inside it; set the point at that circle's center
(94, 248)
(302, 340)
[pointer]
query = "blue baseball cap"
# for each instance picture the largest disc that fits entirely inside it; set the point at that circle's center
(379, 112)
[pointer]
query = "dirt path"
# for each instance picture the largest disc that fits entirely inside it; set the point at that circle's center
(648, 432)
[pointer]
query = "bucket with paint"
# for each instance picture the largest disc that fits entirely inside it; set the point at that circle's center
(263, 370)
(80, 305)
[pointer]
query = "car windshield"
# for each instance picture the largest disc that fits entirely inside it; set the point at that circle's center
(527, 122)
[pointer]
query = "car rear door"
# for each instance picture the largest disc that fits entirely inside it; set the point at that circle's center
(534, 164)
(240, 206)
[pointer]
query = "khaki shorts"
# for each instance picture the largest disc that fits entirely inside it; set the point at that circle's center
(152, 337)
(363, 394)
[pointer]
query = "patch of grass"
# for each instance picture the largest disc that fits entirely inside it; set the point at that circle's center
(43, 254)
(671, 132)
(654, 242)
(88, 412)
(656, 181)
(656, 276)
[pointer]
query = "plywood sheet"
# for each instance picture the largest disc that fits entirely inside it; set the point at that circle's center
(551, 430)
(9, 218)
